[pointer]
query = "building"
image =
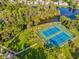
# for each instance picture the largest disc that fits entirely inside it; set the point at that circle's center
(75, 0)
(9, 55)
(32, 2)
(1, 51)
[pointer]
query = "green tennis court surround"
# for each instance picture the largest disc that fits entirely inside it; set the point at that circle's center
(56, 35)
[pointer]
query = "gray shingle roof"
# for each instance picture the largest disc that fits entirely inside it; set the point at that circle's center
(76, 0)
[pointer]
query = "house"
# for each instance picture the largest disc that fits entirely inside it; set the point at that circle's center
(9, 55)
(32, 2)
(76, 1)
(60, 3)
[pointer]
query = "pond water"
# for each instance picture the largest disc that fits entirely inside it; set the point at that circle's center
(67, 12)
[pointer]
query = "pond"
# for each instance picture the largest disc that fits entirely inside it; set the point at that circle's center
(71, 13)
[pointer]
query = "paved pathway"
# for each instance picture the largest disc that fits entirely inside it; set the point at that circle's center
(26, 49)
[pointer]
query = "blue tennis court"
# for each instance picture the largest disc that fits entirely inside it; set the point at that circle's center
(59, 39)
(56, 35)
(51, 31)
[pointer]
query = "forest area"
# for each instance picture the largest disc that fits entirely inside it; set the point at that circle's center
(19, 21)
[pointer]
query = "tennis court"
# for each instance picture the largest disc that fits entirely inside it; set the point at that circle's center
(59, 39)
(51, 31)
(56, 35)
